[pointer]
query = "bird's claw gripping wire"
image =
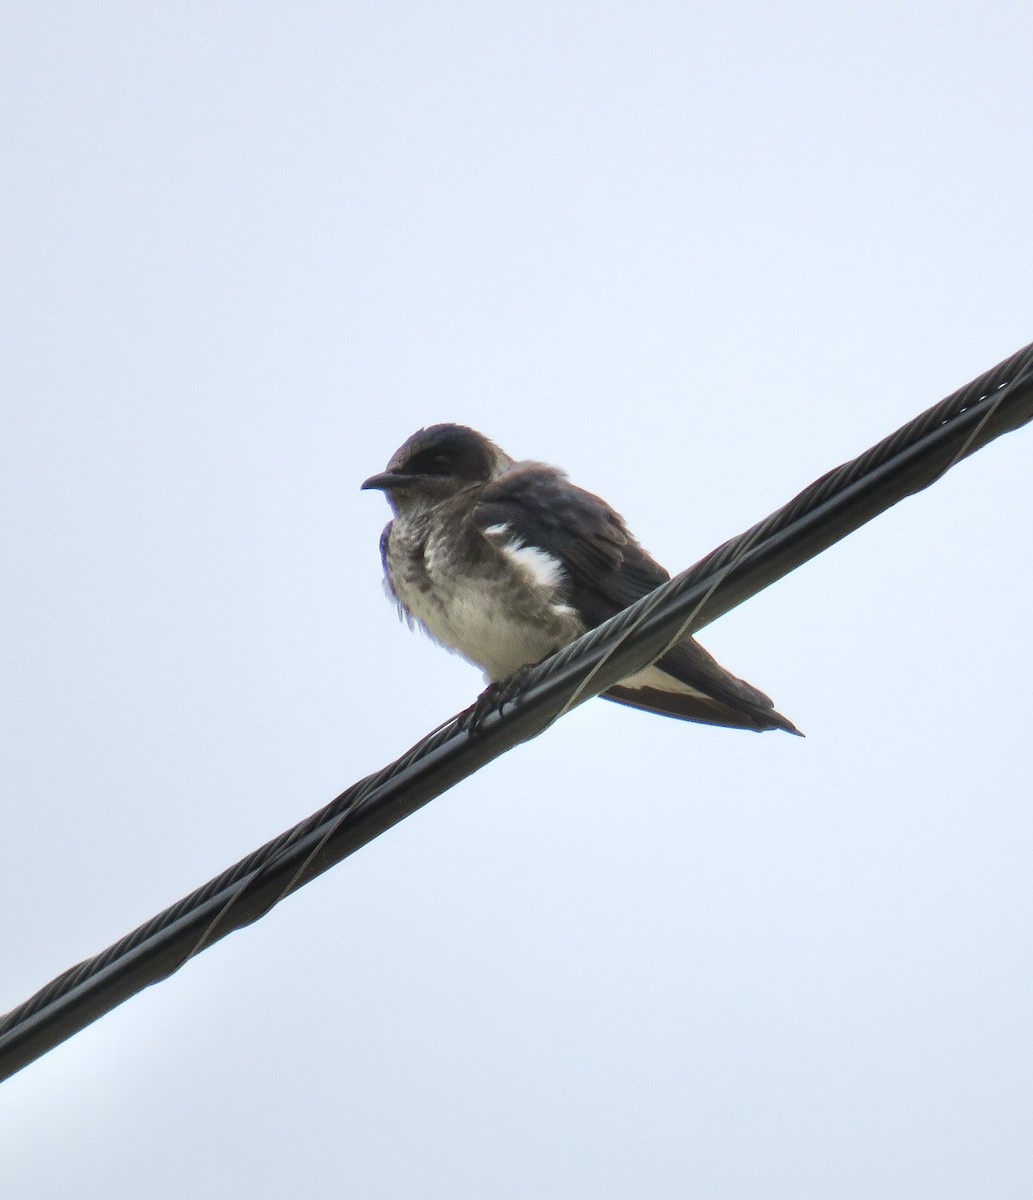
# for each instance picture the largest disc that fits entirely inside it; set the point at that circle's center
(495, 698)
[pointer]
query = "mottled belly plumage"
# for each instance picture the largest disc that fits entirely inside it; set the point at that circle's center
(493, 602)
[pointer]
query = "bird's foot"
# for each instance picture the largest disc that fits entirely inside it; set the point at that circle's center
(495, 697)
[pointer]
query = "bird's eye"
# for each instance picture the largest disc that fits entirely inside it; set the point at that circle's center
(430, 463)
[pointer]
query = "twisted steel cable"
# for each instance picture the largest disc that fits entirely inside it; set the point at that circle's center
(905, 462)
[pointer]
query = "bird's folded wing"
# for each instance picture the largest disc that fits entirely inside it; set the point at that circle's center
(605, 570)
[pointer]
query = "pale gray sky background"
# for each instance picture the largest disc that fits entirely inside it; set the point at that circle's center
(696, 254)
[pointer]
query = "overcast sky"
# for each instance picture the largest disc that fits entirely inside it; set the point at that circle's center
(697, 254)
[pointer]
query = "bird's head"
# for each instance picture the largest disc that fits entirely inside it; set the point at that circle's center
(436, 464)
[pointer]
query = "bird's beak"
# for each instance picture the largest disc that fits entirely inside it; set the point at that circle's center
(384, 482)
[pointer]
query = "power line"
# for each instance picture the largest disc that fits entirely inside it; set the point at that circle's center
(907, 461)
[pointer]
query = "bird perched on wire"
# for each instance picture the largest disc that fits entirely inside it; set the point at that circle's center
(505, 562)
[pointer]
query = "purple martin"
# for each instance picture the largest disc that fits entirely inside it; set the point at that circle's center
(505, 562)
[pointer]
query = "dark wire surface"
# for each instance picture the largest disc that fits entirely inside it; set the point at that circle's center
(901, 464)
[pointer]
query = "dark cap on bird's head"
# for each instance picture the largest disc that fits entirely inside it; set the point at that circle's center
(438, 462)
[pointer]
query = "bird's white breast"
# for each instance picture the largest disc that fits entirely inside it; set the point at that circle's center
(502, 614)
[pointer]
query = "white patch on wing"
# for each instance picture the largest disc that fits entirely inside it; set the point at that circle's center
(500, 615)
(544, 570)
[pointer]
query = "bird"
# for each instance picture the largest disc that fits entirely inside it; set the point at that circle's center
(504, 562)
